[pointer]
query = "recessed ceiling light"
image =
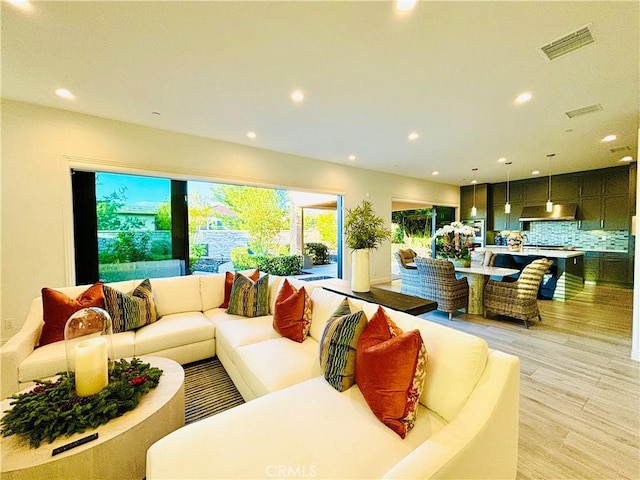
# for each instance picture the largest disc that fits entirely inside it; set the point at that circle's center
(64, 93)
(405, 5)
(626, 159)
(473, 182)
(609, 138)
(413, 136)
(352, 157)
(524, 97)
(535, 172)
(251, 135)
(435, 172)
(297, 96)
(502, 160)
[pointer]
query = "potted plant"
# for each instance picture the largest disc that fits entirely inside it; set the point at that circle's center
(363, 230)
(454, 243)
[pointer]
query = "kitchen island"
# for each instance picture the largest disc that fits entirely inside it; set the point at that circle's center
(567, 270)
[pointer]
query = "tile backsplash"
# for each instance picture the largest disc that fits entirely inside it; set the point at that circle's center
(567, 234)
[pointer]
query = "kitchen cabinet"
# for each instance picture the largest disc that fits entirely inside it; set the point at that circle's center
(590, 213)
(615, 213)
(591, 266)
(608, 268)
(615, 268)
(565, 188)
(604, 200)
(498, 220)
(536, 191)
(467, 200)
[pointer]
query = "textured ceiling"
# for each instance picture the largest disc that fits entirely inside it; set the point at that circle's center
(448, 71)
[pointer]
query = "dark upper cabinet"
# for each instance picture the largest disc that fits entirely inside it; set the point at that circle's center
(536, 191)
(604, 200)
(513, 222)
(615, 213)
(467, 201)
(616, 181)
(610, 181)
(591, 184)
(589, 215)
(565, 188)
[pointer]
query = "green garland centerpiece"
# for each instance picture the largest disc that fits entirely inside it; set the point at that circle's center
(53, 409)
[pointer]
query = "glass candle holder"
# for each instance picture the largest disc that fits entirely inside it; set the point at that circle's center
(88, 342)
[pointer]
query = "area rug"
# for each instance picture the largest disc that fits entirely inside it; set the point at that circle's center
(208, 390)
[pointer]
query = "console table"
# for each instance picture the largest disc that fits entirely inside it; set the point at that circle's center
(387, 298)
(120, 451)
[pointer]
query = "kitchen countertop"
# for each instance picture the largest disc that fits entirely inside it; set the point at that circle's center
(536, 252)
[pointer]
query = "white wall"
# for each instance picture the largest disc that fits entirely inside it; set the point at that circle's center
(39, 144)
(635, 331)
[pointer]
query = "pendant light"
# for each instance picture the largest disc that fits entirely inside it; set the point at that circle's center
(549, 202)
(507, 206)
(474, 210)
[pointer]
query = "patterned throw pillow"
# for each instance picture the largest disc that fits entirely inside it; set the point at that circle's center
(228, 284)
(130, 310)
(390, 371)
(338, 346)
(57, 308)
(292, 314)
(249, 298)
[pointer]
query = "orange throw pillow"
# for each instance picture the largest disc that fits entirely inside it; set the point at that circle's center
(390, 371)
(57, 308)
(292, 314)
(228, 283)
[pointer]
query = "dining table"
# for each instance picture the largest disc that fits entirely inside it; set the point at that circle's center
(478, 276)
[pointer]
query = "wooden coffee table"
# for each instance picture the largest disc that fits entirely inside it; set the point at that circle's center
(387, 298)
(119, 453)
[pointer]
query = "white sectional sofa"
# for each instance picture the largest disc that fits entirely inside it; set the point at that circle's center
(294, 423)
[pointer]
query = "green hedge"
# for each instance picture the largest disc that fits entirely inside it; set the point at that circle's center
(283, 265)
(318, 252)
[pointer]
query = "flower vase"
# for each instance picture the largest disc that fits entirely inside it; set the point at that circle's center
(360, 270)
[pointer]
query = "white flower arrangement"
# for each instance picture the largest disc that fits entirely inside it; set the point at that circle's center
(454, 240)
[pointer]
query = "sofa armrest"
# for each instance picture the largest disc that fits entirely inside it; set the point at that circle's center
(482, 441)
(19, 347)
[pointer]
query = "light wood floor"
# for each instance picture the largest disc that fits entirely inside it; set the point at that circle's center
(579, 390)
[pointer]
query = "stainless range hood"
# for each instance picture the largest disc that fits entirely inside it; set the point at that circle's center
(560, 211)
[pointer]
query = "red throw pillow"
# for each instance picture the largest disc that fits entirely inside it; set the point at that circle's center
(228, 283)
(292, 314)
(390, 371)
(57, 308)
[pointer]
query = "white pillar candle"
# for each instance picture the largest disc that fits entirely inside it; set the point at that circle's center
(92, 373)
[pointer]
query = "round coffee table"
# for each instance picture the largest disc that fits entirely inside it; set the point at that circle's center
(119, 452)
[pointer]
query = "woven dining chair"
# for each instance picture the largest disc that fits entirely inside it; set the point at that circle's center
(436, 280)
(517, 299)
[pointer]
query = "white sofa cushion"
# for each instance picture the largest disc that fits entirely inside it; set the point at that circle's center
(340, 436)
(276, 364)
(176, 294)
(51, 359)
(323, 304)
(455, 361)
(211, 290)
(173, 330)
(233, 331)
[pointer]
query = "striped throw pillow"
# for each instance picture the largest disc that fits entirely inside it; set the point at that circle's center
(338, 346)
(249, 298)
(130, 310)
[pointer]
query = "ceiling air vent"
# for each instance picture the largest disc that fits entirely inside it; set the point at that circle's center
(584, 110)
(567, 44)
(620, 149)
